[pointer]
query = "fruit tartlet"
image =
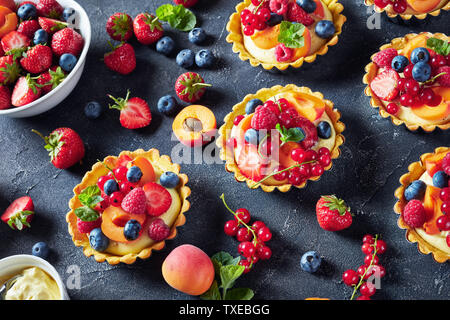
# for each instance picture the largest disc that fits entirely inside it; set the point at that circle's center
(409, 81)
(126, 206)
(281, 137)
(283, 33)
(409, 8)
(424, 204)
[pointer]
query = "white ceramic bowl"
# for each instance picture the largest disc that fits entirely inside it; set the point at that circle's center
(14, 264)
(54, 97)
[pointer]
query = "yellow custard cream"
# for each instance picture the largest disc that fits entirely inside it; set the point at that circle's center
(34, 284)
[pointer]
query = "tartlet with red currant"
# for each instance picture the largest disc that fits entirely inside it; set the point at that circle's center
(283, 33)
(127, 206)
(424, 204)
(281, 137)
(409, 81)
(409, 8)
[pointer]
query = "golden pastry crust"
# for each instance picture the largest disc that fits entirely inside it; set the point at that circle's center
(372, 71)
(236, 38)
(264, 94)
(90, 178)
(415, 171)
(420, 16)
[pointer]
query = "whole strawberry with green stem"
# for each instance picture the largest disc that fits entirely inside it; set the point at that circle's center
(50, 79)
(65, 147)
(49, 8)
(147, 28)
(134, 112)
(120, 26)
(37, 59)
(19, 213)
(25, 91)
(121, 59)
(333, 214)
(190, 87)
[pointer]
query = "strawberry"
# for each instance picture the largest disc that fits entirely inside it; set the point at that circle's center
(65, 147)
(310, 131)
(295, 13)
(123, 160)
(120, 26)
(28, 28)
(121, 59)
(186, 3)
(88, 226)
(250, 163)
(159, 199)
(384, 57)
(15, 42)
(9, 70)
(134, 112)
(51, 25)
(67, 40)
(385, 85)
(49, 8)
(50, 79)
(147, 28)
(135, 201)
(333, 214)
(19, 213)
(25, 91)
(37, 59)
(5, 97)
(190, 87)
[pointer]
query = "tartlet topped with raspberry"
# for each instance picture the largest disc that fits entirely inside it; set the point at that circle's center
(127, 206)
(409, 8)
(281, 137)
(283, 33)
(409, 81)
(424, 204)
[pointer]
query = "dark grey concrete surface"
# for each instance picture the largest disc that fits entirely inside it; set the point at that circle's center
(374, 156)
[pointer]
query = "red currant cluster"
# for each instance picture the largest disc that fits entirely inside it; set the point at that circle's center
(443, 222)
(256, 20)
(252, 238)
(399, 6)
(357, 279)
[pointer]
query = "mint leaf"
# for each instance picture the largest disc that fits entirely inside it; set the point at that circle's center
(88, 193)
(229, 274)
(291, 34)
(291, 134)
(439, 46)
(213, 293)
(178, 16)
(240, 294)
(86, 214)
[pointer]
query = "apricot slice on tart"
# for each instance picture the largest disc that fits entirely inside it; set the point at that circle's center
(303, 51)
(423, 5)
(195, 125)
(267, 38)
(308, 106)
(416, 42)
(433, 163)
(432, 204)
(10, 4)
(435, 113)
(113, 215)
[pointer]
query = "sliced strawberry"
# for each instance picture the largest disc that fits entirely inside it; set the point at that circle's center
(25, 91)
(5, 97)
(19, 213)
(250, 163)
(159, 199)
(51, 25)
(385, 85)
(134, 112)
(123, 160)
(15, 40)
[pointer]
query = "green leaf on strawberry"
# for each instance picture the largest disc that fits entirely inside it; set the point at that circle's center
(334, 203)
(291, 34)
(441, 47)
(19, 220)
(291, 134)
(178, 16)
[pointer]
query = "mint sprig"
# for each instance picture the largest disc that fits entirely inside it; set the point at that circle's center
(89, 198)
(441, 47)
(290, 135)
(178, 16)
(227, 270)
(291, 34)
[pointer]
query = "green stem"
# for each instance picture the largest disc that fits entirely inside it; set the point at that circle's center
(111, 170)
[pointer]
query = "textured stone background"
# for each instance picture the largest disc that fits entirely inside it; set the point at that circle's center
(373, 158)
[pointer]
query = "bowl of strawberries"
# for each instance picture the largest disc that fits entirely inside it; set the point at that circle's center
(43, 48)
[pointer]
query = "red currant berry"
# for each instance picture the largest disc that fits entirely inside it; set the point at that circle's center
(444, 195)
(238, 119)
(381, 247)
(426, 96)
(121, 173)
(363, 273)
(264, 252)
(381, 3)
(367, 248)
(254, 259)
(368, 260)
(281, 175)
(101, 181)
(264, 234)
(311, 155)
(115, 199)
(438, 61)
(256, 2)
(305, 170)
(408, 71)
(379, 271)
(258, 225)
(367, 289)
(245, 13)
(392, 108)
(284, 104)
(412, 87)
(249, 30)
(243, 234)
(260, 24)
(401, 84)
(363, 298)
(246, 248)
(263, 14)
(231, 143)
(231, 228)
(368, 238)
(110, 175)
(317, 170)
(406, 100)
(400, 6)
(324, 160)
(298, 155)
(324, 151)
(245, 263)
(443, 223)
(126, 186)
(295, 180)
(350, 277)
(445, 208)
(243, 215)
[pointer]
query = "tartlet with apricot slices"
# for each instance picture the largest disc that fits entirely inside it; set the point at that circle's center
(415, 8)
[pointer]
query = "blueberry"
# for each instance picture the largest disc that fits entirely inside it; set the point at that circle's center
(421, 71)
(197, 35)
(419, 55)
(399, 63)
(416, 190)
(169, 179)
(27, 11)
(252, 104)
(205, 58)
(67, 62)
(40, 37)
(132, 229)
(167, 104)
(98, 240)
(134, 174)
(308, 5)
(310, 262)
(165, 45)
(67, 13)
(274, 19)
(440, 179)
(40, 250)
(324, 130)
(185, 58)
(93, 110)
(251, 136)
(325, 29)
(110, 187)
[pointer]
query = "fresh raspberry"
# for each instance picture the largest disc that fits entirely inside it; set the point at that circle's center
(135, 201)
(297, 14)
(446, 164)
(158, 230)
(310, 131)
(444, 80)
(264, 118)
(279, 7)
(283, 53)
(88, 226)
(414, 214)
(384, 58)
